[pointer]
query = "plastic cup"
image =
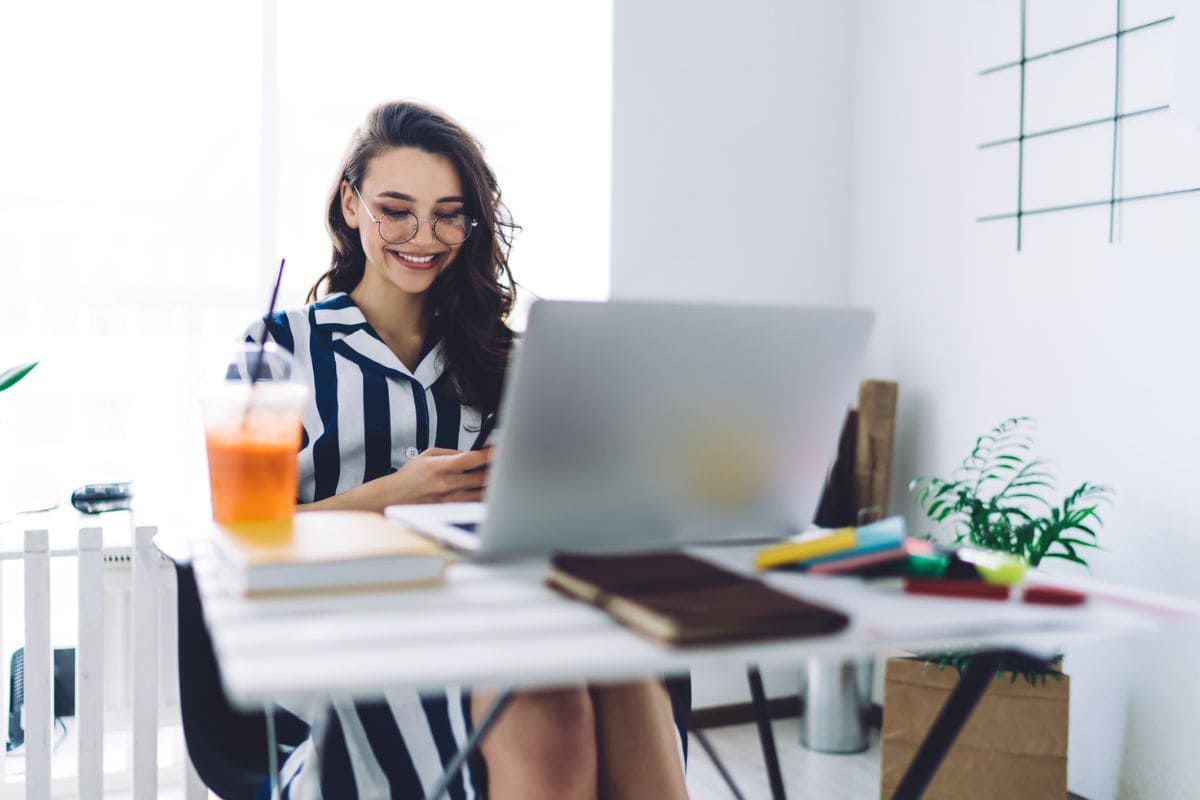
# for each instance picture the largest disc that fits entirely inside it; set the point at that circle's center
(252, 432)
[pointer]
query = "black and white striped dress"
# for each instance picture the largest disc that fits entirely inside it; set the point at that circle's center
(367, 416)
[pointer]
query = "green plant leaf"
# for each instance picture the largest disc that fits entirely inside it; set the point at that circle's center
(1075, 519)
(939, 488)
(10, 376)
(1034, 671)
(1073, 542)
(1028, 482)
(1028, 477)
(1093, 490)
(1010, 460)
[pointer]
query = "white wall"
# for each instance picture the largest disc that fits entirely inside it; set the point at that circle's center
(854, 126)
(731, 146)
(1094, 340)
(730, 150)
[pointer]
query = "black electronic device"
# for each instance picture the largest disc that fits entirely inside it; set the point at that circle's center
(64, 692)
(95, 498)
(485, 430)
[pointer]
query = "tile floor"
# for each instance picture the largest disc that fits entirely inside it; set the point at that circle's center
(806, 775)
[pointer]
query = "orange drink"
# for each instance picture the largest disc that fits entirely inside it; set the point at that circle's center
(252, 478)
(252, 432)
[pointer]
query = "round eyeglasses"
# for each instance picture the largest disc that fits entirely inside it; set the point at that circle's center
(398, 227)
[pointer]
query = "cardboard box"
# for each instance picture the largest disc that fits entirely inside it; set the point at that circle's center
(1014, 747)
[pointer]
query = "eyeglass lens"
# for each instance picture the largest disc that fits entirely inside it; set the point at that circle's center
(448, 229)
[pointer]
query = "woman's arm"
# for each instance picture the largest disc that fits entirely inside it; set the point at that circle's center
(435, 476)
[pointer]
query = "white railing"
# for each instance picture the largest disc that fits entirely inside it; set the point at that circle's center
(126, 735)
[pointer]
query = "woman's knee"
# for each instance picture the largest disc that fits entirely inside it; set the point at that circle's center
(562, 724)
(553, 730)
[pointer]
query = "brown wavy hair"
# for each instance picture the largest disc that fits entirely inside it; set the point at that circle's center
(471, 300)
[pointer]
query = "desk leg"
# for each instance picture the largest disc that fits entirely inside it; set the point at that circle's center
(272, 751)
(766, 736)
(472, 743)
(949, 723)
(700, 737)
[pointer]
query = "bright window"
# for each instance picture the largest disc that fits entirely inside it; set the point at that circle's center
(136, 246)
(532, 80)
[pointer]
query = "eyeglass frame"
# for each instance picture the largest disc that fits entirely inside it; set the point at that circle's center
(417, 228)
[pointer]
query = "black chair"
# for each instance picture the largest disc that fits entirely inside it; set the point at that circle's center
(227, 747)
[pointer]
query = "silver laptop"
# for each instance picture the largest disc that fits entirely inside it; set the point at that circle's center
(634, 425)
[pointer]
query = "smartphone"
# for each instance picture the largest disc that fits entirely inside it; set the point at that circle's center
(485, 430)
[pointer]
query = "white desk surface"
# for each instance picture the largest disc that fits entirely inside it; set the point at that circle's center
(499, 625)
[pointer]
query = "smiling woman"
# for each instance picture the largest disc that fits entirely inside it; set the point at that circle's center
(403, 259)
(415, 164)
(158, 200)
(403, 350)
(169, 154)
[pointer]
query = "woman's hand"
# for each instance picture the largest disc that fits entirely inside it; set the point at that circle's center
(441, 476)
(435, 476)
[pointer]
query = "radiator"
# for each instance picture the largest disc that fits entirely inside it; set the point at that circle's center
(126, 676)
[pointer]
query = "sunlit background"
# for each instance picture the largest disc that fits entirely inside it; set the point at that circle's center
(159, 159)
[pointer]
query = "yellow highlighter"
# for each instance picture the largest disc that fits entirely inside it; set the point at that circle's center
(811, 544)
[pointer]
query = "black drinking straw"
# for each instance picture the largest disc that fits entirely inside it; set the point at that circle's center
(262, 347)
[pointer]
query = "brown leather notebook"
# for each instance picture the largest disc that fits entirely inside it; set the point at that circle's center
(681, 599)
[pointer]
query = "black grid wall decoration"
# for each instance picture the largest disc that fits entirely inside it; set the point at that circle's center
(1114, 120)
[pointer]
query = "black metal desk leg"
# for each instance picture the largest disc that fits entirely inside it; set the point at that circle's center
(272, 751)
(949, 723)
(766, 736)
(472, 743)
(717, 762)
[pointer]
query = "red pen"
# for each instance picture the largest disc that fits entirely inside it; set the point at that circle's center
(978, 590)
(1053, 596)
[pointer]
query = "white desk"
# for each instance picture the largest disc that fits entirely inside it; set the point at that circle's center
(497, 625)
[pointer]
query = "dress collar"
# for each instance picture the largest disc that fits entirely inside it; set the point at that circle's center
(339, 320)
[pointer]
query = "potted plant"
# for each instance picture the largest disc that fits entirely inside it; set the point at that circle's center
(996, 501)
(1016, 742)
